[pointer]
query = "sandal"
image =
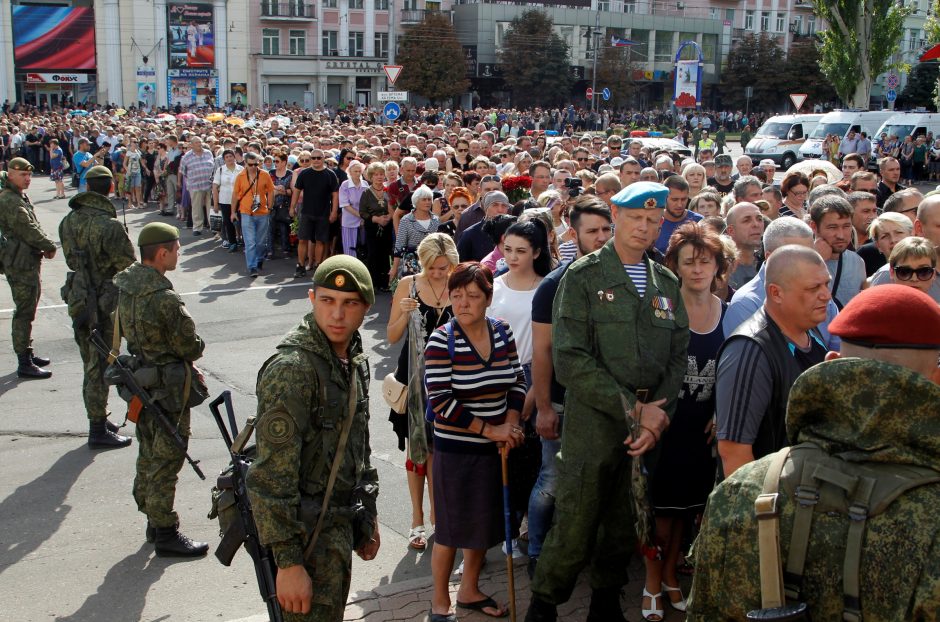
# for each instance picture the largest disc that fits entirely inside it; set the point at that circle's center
(681, 604)
(441, 617)
(652, 614)
(486, 603)
(417, 538)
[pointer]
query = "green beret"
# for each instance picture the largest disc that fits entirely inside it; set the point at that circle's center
(345, 274)
(98, 171)
(19, 164)
(157, 233)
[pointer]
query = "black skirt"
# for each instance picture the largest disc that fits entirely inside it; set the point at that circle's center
(468, 500)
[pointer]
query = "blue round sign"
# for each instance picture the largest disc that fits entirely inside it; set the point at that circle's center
(392, 111)
(891, 95)
(605, 94)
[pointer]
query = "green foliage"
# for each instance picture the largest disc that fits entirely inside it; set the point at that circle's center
(535, 61)
(801, 74)
(919, 90)
(932, 26)
(755, 62)
(432, 60)
(615, 71)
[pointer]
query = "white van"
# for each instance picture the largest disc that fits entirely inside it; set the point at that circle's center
(780, 137)
(840, 122)
(911, 124)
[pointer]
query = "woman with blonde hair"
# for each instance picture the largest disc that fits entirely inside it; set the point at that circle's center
(426, 293)
(695, 175)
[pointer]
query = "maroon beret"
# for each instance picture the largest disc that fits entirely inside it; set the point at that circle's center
(890, 316)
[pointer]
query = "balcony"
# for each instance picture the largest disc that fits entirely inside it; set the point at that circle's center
(803, 4)
(415, 16)
(288, 11)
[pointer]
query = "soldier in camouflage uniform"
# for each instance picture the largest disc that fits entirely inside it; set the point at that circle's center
(303, 405)
(96, 247)
(872, 404)
(23, 244)
(160, 332)
(619, 327)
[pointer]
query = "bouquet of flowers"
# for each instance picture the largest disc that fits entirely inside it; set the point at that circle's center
(517, 188)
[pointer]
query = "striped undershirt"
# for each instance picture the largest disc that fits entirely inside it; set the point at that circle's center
(637, 274)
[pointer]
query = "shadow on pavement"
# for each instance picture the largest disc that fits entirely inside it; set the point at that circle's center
(8, 381)
(36, 510)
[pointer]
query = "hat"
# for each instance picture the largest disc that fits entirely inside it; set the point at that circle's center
(767, 162)
(890, 316)
(615, 162)
(157, 233)
(723, 160)
(642, 195)
(495, 197)
(19, 164)
(98, 171)
(345, 273)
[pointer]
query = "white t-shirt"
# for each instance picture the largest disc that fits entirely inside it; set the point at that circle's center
(225, 180)
(516, 308)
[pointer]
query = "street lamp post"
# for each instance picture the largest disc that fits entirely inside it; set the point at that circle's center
(595, 44)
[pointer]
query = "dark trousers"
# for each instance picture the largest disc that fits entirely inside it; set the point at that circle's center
(228, 227)
(380, 253)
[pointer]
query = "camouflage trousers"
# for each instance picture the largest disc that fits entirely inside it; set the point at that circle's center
(159, 462)
(25, 298)
(331, 575)
(94, 389)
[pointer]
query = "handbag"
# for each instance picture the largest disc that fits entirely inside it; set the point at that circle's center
(395, 394)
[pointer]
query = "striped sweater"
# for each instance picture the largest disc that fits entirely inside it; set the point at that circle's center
(468, 386)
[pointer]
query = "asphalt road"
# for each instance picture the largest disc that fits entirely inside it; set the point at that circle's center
(71, 540)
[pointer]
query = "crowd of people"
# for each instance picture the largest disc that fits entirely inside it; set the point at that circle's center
(542, 287)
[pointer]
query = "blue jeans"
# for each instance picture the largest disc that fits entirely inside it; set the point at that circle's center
(542, 499)
(255, 234)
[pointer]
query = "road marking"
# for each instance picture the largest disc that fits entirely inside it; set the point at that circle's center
(201, 292)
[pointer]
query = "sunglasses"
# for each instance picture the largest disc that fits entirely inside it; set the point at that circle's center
(316, 158)
(463, 150)
(906, 273)
(490, 178)
(251, 164)
(581, 159)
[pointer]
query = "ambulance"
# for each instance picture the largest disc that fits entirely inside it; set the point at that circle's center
(840, 122)
(779, 139)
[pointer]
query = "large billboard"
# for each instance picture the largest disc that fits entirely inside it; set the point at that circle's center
(53, 38)
(192, 41)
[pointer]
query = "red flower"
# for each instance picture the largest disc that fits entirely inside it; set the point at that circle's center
(517, 188)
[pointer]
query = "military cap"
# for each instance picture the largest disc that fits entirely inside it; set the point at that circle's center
(98, 171)
(642, 195)
(723, 160)
(345, 274)
(495, 197)
(890, 316)
(19, 164)
(157, 233)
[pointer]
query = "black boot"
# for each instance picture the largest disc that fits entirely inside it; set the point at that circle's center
(171, 543)
(38, 361)
(28, 369)
(150, 533)
(541, 611)
(111, 427)
(605, 606)
(100, 437)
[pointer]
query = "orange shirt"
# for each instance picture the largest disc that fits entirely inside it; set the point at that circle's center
(244, 189)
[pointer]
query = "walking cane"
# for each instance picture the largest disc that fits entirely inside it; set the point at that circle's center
(507, 515)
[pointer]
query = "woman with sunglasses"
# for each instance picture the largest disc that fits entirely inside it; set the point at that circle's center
(913, 263)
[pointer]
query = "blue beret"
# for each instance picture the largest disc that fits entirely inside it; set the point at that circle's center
(642, 195)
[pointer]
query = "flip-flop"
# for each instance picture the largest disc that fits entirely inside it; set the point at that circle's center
(417, 538)
(442, 617)
(480, 605)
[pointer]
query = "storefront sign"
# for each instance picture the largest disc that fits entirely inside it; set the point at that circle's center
(146, 86)
(57, 78)
(357, 66)
(192, 73)
(192, 40)
(470, 57)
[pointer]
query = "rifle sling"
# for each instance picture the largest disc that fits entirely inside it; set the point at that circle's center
(116, 338)
(767, 510)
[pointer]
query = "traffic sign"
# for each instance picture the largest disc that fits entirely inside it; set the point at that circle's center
(798, 99)
(589, 93)
(605, 94)
(392, 72)
(893, 81)
(891, 95)
(392, 111)
(393, 96)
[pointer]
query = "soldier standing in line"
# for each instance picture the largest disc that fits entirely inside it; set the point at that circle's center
(159, 332)
(96, 247)
(619, 330)
(23, 244)
(312, 394)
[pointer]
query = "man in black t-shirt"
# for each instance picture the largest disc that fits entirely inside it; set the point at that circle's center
(319, 191)
(722, 181)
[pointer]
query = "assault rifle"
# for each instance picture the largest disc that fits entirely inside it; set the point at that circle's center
(242, 530)
(142, 400)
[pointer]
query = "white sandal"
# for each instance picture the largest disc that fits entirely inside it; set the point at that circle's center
(417, 538)
(653, 614)
(679, 606)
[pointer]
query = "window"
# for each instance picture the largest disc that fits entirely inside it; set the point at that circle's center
(811, 25)
(329, 4)
(409, 5)
(641, 44)
(729, 15)
(764, 21)
(603, 5)
(781, 22)
(664, 48)
(629, 6)
(356, 44)
(381, 5)
(330, 43)
(798, 24)
(749, 20)
(710, 48)
(714, 13)
(355, 4)
(270, 41)
(298, 42)
(913, 41)
(381, 44)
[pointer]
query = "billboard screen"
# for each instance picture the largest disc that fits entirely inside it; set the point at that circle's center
(53, 38)
(192, 41)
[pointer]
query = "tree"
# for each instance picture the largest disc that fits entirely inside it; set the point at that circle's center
(615, 71)
(535, 61)
(862, 37)
(801, 74)
(433, 60)
(919, 91)
(755, 62)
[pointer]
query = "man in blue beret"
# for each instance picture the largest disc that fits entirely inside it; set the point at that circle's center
(620, 334)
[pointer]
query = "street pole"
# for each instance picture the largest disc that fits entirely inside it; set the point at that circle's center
(594, 44)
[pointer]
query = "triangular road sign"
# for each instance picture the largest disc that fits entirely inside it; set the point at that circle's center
(797, 99)
(393, 71)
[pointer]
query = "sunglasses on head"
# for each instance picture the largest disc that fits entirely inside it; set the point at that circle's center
(906, 273)
(490, 178)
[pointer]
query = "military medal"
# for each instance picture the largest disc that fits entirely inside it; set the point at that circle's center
(663, 308)
(610, 295)
(600, 294)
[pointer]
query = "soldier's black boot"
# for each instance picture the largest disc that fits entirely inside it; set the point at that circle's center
(605, 606)
(150, 533)
(541, 611)
(171, 543)
(38, 361)
(28, 369)
(100, 437)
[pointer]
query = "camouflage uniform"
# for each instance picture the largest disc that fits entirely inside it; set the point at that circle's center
(91, 228)
(159, 331)
(895, 420)
(21, 257)
(297, 438)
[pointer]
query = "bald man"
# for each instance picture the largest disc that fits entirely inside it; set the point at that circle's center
(746, 228)
(759, 362)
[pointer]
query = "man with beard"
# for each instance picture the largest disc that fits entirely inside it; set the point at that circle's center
(722, 181)
(832, 224)
(746, 228)
(677, 212)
